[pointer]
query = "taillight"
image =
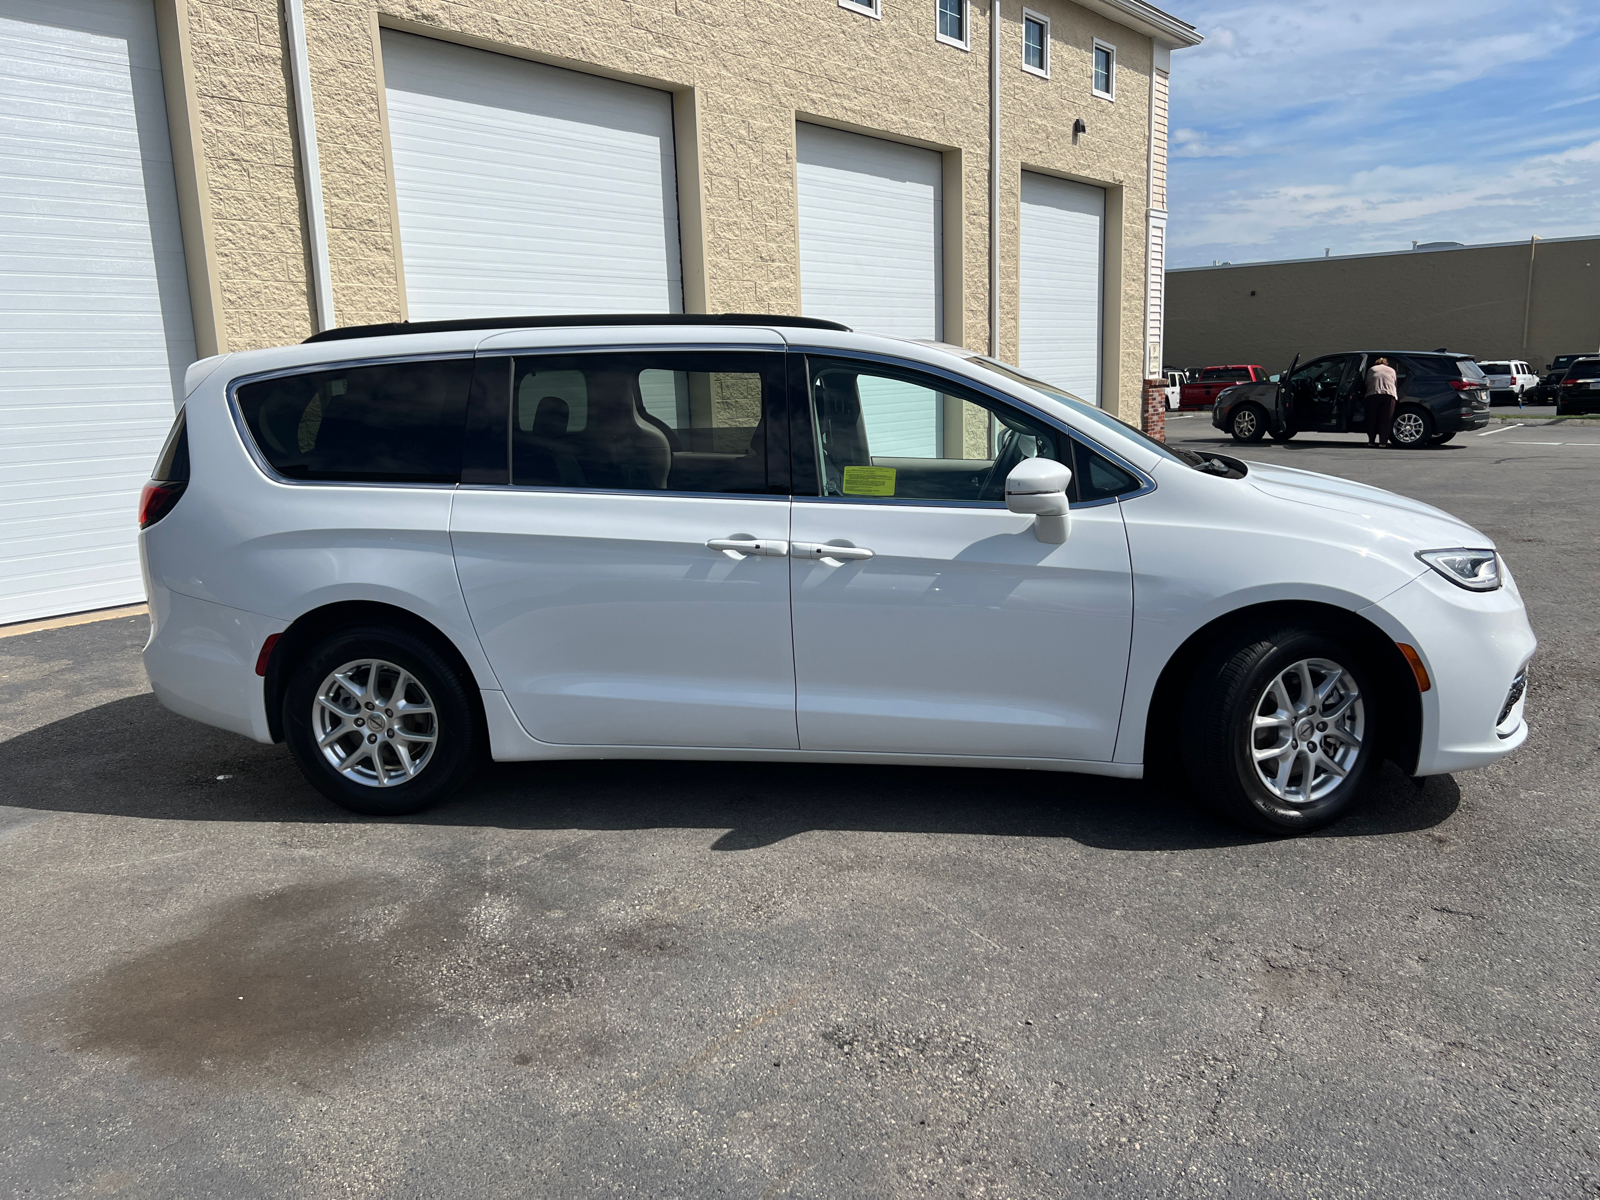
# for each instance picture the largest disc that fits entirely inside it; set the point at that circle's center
(157, 500)
(1572, 382)
(1465, 385)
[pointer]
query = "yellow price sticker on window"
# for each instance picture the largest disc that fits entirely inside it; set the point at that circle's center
(868, 481)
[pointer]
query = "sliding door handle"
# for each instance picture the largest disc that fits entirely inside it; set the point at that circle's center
(826, 551)
(740, 546)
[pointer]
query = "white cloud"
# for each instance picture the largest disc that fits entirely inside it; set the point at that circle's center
(1379, 208)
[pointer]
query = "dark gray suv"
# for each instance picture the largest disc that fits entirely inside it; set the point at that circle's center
(1441, 393)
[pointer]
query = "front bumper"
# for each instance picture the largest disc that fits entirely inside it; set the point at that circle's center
(1474, 645)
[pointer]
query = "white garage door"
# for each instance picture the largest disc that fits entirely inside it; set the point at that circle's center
(524, 188)
(1063, 282)
(871, 257)
(95, 329)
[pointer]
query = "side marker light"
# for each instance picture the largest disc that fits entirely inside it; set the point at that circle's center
(1424, 684)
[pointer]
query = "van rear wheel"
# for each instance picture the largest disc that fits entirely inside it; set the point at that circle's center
(380, 722)
(1412, 427)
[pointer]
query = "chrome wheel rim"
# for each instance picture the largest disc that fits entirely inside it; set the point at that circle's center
(1407, 428)
(375, 723)
(1244, 422)
(1306, 730)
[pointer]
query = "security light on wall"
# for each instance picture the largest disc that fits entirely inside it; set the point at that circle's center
(1078, 126)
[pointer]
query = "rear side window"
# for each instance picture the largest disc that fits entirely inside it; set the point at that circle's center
(651, 421)
(391, 423)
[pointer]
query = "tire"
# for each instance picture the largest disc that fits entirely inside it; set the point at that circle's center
(1285, 436)
(1440, 439)
(1247, 423)
(1220, 735)
(1412, 427)
(384, 776)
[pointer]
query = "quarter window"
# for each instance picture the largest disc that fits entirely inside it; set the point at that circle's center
(1105, 70)
(391, 423)
(1035, 43)
(953, 22)
(643, 422)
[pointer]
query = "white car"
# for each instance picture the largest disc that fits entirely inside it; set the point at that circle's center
(399, 548)
(1509, 380)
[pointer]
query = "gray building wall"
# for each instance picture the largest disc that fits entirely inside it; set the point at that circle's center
(1477, 299)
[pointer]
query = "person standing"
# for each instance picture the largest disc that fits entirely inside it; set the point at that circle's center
(1380, 401)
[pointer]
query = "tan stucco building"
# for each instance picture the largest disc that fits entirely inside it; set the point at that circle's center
(1529, 300)
(203, 176)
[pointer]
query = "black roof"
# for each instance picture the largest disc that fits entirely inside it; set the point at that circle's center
(566, 320)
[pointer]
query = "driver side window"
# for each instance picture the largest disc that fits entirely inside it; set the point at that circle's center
(1318, 379)
(882, 433)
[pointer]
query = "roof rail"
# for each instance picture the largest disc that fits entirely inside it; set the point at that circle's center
(392, 328)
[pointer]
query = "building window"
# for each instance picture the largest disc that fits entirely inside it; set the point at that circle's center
(1105, 70)
(1035, 43)
(953, 22)
(867, 8)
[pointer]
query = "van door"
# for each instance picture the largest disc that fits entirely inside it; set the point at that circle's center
(631, 587)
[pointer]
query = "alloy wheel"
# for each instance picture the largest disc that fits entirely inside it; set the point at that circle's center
(1244, 423)
(375, 723)
(1409, 428)
(1306, 730)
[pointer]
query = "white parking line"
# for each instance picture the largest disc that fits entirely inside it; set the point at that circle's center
(1502, 429)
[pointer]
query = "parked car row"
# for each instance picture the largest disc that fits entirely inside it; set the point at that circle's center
(1572, 383)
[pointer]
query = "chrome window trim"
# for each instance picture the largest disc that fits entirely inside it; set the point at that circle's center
(1147, 484)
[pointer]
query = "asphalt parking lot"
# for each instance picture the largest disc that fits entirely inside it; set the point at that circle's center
(759, 981)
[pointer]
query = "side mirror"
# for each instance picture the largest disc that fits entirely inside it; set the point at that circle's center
(1038, 487)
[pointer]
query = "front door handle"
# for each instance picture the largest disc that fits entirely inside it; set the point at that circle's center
(740, 546)
(825, 551)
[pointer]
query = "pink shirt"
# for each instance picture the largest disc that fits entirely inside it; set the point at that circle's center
(1380, 381)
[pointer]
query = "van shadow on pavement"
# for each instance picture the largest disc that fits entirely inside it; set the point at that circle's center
(133, 758)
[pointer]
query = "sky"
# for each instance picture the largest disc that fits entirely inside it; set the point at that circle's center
(1362, 125)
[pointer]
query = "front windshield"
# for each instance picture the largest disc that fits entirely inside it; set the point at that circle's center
(1083, 408)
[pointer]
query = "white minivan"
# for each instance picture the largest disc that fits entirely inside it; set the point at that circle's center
(402, 548)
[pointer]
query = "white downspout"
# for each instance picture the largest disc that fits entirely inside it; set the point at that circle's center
(994, 178)
(310, 168)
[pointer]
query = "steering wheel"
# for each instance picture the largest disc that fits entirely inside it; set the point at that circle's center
(1007, 455)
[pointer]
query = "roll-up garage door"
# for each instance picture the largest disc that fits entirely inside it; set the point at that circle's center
(870, 256)
(95, 328)
(524, 188)
(1063, 282)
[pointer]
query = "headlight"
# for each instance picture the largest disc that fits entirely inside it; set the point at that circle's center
(1475, 570)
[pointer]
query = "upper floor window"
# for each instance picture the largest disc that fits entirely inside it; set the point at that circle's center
(953, 22)
(1105, 70)
(867, 8)
(1035, 43)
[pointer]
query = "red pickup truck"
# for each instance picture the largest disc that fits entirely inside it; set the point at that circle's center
(1202, 391)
